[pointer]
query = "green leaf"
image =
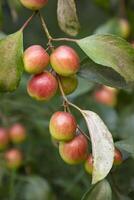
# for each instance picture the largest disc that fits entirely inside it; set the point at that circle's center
(114, 26)
(101, 74)
(36, 188)
(102, 146)
(101, 191)
(110, 51)
(67, 17)
(11, 64)
(127, 145)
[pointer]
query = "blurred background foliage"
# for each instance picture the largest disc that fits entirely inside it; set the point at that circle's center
(44, 176)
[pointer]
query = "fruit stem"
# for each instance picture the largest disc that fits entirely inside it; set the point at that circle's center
(83, 132)
(64, 39)
(28, 20)
(44, 26)
(64, 96)
(12, 182)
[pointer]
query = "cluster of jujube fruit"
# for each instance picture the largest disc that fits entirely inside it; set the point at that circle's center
(43, 85)
(73, 145)
(9, 137)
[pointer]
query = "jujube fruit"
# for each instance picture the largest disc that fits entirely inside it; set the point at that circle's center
(13, 158)
(17, 133)
(42, 86)
(118, 158)
(69, 84)
(34, 4)
(124, 28)
(74, 151)
(4, 139)
(106, 95)
(36, 59)
(89, 164)
(65, 61)
(62, 126)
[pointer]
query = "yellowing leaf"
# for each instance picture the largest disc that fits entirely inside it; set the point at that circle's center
(11, 65)
(102, 146)
(67, 17)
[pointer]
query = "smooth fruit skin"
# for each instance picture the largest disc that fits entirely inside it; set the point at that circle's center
(125, 28)
(34, 4)
(106, 95)
(4, 139)
(43, 86)
(69, 84)
(17, 133)
(74, 151)
(118, 158)
(36, 59)
(89, 164)
(65, 61)
(13, 158)
(62, 126)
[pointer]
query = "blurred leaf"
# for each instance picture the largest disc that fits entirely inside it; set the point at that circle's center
(84, 86)
(2, 35)
(114, 26)
(1, 14)
(67, 17)
(127, 145)
(110, 51)
(101, 191)
(36, 188)
(100, 74)
(102, 146)
(11, 65)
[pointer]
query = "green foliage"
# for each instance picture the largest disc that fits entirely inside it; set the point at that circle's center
(110, 51)
(100, 191)
(11, 64)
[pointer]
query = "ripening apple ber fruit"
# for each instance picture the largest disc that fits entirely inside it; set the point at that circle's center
(43, 86)
(124, 27)
(13, 158)
(69, 84)
(34, 4)
(4, 139)
(89, 164)
(118, 158)
(65, 61)
(36, 59)
(62, 126)
(17, 133)
(106, 95)
(74, 151)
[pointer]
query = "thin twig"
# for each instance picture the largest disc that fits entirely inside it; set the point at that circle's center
(64, 39)
(28, 20)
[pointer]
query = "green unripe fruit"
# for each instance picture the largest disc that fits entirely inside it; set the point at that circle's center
(65, 61)
(13, 159)
(89, 164)
(118, 158)
(69, 84)
(34, 4)
(74, 151)
(62, 126)
(36, 59)
(124, 28)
